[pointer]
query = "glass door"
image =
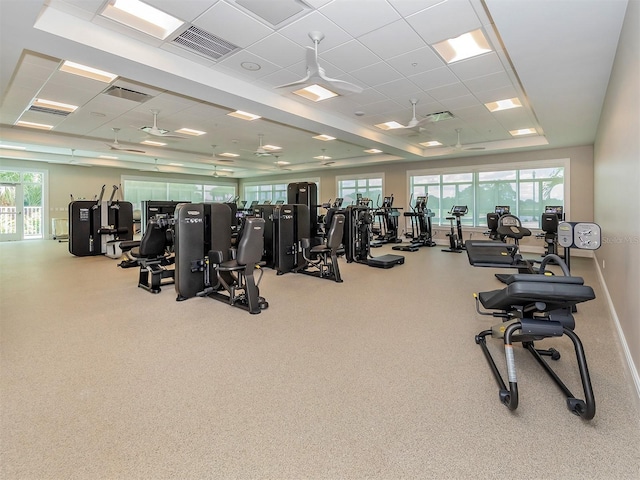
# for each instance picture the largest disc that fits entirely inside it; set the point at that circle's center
(11, 203)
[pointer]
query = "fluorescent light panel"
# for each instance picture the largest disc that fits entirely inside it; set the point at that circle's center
(155, 144)
(108, 157)
(389, 125)
(503, 104)
(432, 143)
(522, 131)
(142, 17)
(282, 162)
(271, 148)
(228, 155)
(324, 138)
(373, 150)
(315, 93)
(322, 157)
(65, 107)
(190, 131)
(465, 46)
(12, 147)
(244, 115)
(39, 126)
(87, 72)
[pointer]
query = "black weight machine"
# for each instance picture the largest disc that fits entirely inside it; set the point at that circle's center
(456, 243)
(357, 238)
(322, 260)
(493, 221)
(206, 265)
(421, 232)
(96, 227)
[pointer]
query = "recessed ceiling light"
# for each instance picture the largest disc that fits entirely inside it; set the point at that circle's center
(108, 157)
(315, 93)
(271, 148)
(229, 155)
(432, 143)
(155, 144)
(373, 150)
(12, 147)
(503, 104)
(282, 162)
(322, 157)
(389, 125)
(244, 115)
(176, 164)
(39, 126)
(324, 138)
(51, 105)
(142, 17)
(465, 46)
(87, 72)
(522, 131)
(190, 131)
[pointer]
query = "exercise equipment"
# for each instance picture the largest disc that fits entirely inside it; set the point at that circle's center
(206, 264)
(322, 260)
(96, 227)
(152, 254)
(388, 220)
(305, 193)
(421, 233)
(549, 221)
(493, 221)
(456, 243)
(532, 308)
(357, 239)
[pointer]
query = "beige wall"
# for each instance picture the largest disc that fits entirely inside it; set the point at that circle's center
(617, 185)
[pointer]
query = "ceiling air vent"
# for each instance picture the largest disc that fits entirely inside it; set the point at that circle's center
(54, 111)
(127, 94)
(204, 43)
(439, 116)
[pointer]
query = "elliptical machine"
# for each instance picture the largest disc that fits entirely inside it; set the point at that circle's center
(456, 244)
(549, 221)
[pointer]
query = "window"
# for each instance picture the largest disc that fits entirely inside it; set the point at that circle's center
(24, 188)
(369, 187)
(137, 190)
(526, 190)
(271, 191)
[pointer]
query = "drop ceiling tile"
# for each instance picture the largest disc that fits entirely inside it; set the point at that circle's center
(392, 40)
(401, 89)
(278, 49)
(359, 17)
(451, 90)
(501, 93)
(488, 82)
(376, 74)
(417, 61)
(298, 32)
(229, 23)
(446, 20)
(187, 11)
(350, 56)
(409, 7)
(477, 66)
(435, 78)
(463, 101)
(244, 57)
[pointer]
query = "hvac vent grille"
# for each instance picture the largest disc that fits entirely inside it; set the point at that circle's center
(53, 111)
(204, 43)
(127, 94)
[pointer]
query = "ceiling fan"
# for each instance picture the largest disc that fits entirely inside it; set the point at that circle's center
(460, 147)
(414, 122)
(158, 132)
(281, 165)
(116, 146)
(215, 173)
(218, 158)
(316, 73)
(261, 151)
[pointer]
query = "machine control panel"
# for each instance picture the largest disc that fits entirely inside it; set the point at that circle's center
(582, 235)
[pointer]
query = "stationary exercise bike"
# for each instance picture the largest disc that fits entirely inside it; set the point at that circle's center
(456, 244)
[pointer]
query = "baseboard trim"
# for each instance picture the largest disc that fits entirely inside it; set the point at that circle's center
(631, 368)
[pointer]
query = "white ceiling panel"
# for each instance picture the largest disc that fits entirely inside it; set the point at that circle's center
(360, 16)
(382, 45)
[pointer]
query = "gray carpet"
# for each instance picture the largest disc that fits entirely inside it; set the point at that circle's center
(378, 377)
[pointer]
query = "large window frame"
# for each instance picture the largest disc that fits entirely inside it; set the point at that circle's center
(271, 191)
(176, 189)
(35, 221)
(370, 185)
(512, 181)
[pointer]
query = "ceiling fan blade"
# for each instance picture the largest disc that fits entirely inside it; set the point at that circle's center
(297, 82)
(342, 85)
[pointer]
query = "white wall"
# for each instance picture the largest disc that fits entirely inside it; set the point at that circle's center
(617, 187)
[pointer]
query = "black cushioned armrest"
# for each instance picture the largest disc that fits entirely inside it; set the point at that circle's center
(523, 277)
